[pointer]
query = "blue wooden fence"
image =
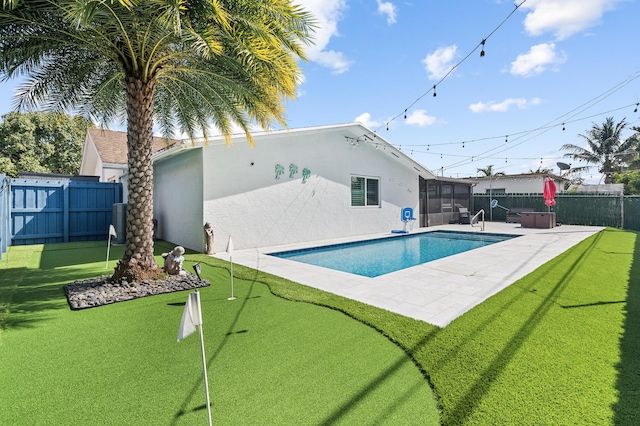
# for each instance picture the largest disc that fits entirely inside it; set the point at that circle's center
(5, 194)
(42, 211)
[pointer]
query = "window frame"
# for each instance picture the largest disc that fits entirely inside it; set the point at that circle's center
(367, 191)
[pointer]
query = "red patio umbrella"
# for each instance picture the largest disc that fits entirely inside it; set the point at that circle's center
(549, 192)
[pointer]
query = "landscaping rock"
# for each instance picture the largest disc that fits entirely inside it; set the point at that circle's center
(101, 291)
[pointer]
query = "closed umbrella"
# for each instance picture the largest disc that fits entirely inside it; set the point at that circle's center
(549, 192)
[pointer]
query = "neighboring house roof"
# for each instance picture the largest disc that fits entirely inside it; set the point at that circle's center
(522, 176)
(112, 145)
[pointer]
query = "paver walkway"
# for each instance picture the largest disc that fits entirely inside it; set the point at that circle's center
(439, 291)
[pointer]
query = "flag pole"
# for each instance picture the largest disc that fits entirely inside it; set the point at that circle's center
(204, 366)
(112, 231)
(106, 265)
(230, 251)
(192, 319)
(231, 267)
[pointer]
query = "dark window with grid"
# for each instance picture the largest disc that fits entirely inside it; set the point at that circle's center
(365, 191)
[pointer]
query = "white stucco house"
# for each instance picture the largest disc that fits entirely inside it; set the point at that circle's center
(296, 186)
(527, 183)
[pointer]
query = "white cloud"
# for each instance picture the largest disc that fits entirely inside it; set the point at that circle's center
(327, 14)
(439, 63)
(420, 118)
(503, 106)
(366, 120)
(536, 60)
(564, 18)
(388, 9)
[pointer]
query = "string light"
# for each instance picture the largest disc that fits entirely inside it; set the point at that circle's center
(479, 45)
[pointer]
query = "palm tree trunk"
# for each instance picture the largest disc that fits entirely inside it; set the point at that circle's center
(138, 262)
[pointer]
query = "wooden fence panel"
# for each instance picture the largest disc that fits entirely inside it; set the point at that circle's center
(56, 211)
(5, 221)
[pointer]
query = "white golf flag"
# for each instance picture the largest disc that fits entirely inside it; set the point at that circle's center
(112, 231)
(191, 316)
(230, 247)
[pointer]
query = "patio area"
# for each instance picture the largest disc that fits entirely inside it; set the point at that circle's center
(439, 291)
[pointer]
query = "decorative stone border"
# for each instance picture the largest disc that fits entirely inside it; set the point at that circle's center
(100, 291)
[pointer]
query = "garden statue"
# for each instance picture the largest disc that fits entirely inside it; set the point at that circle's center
(173, 261)
(208, 238)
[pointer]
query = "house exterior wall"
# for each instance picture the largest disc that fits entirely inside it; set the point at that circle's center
(248, 201)
(92, 164)
(177, 199)
(241, 196)
(513, 185)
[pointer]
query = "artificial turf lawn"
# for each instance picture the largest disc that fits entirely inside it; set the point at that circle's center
(270, 361)
(560, 346)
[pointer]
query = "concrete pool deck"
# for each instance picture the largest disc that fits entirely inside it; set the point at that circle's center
(436, 292)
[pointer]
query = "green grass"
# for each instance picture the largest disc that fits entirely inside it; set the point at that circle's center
(270, 361)
(560, 346)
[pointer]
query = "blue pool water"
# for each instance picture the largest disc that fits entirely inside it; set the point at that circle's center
(381, 256)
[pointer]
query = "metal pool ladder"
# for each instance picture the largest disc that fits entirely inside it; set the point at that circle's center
(474, 219)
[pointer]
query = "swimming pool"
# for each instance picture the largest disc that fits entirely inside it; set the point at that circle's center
(373, 258)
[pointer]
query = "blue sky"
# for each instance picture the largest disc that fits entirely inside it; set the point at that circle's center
(553, 64)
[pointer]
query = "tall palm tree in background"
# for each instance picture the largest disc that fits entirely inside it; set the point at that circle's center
(489, 171)
(540, 171)
(605, 148)
(186, 64)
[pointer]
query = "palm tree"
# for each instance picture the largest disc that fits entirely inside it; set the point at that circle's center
(489, 171)
(541, 171)
(605, 148)
(184, 64)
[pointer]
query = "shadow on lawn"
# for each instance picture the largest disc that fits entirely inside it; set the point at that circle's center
(344, 408)
(229, 334)
(627, 410)
(38, 292)
(466, 404)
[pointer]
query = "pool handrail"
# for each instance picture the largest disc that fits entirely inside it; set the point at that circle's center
(475, 219)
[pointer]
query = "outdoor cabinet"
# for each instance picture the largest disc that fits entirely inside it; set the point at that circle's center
(544, 220)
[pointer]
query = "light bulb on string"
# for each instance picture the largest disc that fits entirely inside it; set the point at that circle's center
(434, 91)
(482, 51)
(636, 110)
(428, 147)
(405, 114)
(463, 144)
(506, 139)
(563, 128)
